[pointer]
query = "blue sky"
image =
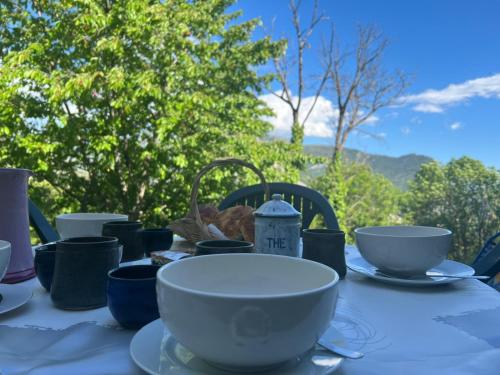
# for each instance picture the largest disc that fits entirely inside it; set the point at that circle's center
(451, 49)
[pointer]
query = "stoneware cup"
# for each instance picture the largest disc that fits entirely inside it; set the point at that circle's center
(247, 312)
(156, 239)
(45, 260)
(210, 247)
(326, 246)
(5, 251)
(132, 295)
(81, 272)
(128, 236)
(84, 224)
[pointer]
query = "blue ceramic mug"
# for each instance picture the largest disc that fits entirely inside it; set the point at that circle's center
(45, 261)
(132, 295)
(156, 239)
(209, 247)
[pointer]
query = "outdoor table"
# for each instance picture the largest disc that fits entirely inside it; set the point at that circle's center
(446, 329)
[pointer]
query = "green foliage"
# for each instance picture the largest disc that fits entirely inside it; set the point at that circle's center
(463, 196)
(115, 105)
(359, 196)
(297, 134)
(333, 185)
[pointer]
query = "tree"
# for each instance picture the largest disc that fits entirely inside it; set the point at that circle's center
(359, 196)
(354, 80)
(285, 63)
(463, 196)
(359, 94)
(117, 104)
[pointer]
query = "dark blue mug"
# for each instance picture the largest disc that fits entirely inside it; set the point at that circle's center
(45, 261)
(156, 239)
(209, 247)
(81, 271)
(132, 295)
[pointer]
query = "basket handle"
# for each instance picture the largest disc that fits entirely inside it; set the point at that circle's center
(194, 211)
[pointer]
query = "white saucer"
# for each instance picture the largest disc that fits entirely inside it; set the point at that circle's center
(14, 296)
(447, 267)
(157, 352)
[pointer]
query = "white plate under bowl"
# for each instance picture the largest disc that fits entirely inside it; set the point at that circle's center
(157, 352)
(447, 267)
(14, 296)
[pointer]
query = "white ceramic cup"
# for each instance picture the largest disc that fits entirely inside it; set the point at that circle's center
(403, 250)
(246, 311)
(5, 251)
(84, 224)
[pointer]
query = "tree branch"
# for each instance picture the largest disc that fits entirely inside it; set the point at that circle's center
(368, 89)
(301, 38)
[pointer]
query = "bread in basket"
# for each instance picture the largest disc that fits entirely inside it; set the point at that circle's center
(207, 223)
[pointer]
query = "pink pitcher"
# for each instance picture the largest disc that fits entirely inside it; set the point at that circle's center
(14, 223)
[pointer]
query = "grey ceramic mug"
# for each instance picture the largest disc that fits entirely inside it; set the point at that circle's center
(210, 247)
(81, 271)
(128, 237)
(325, 246)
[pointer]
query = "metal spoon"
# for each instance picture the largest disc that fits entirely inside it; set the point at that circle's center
(343, 352)
(432, 274)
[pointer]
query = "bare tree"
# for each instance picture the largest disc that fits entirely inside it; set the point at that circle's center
(360, 84)
(285, 65)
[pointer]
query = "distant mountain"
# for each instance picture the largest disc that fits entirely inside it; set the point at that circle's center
(399, 170)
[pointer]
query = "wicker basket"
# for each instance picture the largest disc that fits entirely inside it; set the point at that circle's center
(191, 227)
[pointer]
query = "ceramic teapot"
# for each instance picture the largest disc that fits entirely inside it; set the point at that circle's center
(277, 228)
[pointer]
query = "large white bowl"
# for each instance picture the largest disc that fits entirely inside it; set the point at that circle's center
(5, 251)
(403, 250)
(84, 224)
(246, 311)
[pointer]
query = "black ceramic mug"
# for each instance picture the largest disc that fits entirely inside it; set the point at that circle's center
(156, 239)
(81, 272)
(128, 236)
(209, 247)
(45, 260)
(325, 246)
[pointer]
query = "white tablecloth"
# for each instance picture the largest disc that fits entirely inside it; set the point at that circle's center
(449, 329)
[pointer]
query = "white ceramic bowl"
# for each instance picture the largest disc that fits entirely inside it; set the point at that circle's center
(4, 257)
(84, 224)
(404, 250)
(246, 311)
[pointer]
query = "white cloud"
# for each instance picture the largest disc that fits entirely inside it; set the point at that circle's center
(372, 120)
(456, 125)
(71, 109)
(29, 92)
(319, 124)
(428, 108)
(415, 120)
(405, 130)
(437, 101)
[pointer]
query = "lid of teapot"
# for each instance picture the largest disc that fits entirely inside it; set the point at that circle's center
(277, 207)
